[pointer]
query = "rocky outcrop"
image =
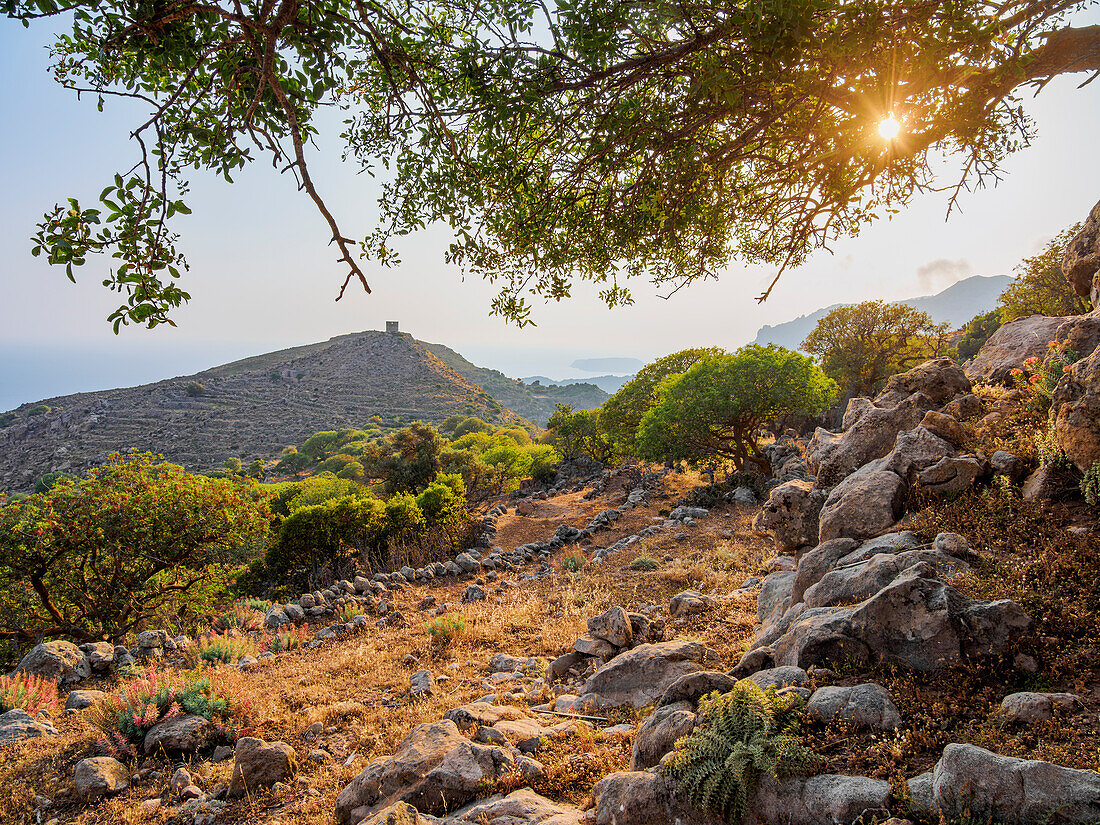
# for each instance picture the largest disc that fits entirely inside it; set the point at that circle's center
(1076, 405)
(659, 732)
(864, 504)
(1081, 259)
(1025, 338)
(641, 676)
(941, 379)
(58, 661)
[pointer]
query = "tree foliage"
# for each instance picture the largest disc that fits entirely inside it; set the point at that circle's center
(862, 345)
(94, 558)
(579, 140)
(622, 413)
(715, 410)
(1040, 287)
(977, 331)
(579, 432)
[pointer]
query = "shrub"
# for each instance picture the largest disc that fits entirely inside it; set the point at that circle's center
(246, 615)
(125, 717)
(39, 409)
(327, 535)
(346, 612)
(7, 418)
(31, 693)
(136, 540)
(1090, 484)
(225, 649)
(544, 463)
(284, 640)
(739, 736)
(444, 631)
(195, 389)
(644, 563)
(574, 562)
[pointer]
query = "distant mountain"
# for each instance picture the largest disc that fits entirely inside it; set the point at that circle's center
(954, 306)
(607, 383)
(616, 365)
(535, 403)
(247, 409)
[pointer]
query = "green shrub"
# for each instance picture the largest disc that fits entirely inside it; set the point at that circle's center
(346, 612)
(39, 409)
(739, 736)
(7, 418)
(30, 693)
(1090, 484)
(224, 649)
(291, 639)
(574, 562)
(544, 463)
(125, 717)
(645, 563)
(444, 631)
(195, 389)
(246, 615)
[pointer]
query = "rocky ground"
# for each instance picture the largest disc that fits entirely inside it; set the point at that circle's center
(948, 658)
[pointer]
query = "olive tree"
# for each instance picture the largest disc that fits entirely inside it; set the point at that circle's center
(714, 412)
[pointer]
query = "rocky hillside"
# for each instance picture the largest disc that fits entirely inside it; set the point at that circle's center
(535, 403)
(249, 408)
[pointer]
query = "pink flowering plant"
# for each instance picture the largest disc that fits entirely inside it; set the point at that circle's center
(27, 692)
(157, 696)
(1040, 376)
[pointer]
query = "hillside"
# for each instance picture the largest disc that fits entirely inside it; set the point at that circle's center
(248, 408)
(535, 403)
(608, 383)
(954, 306)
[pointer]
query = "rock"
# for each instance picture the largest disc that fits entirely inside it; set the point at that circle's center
(480, 713)
(743, 495)
(1077, 406)
(915, 621)
(813, 565)
(153, 639)
(522, 807)
(80, 699)
(1038, 707)
(827, 799)
(644, 798)
(659, 732)
(180, 734)
(790, 515)
(1081, 258)
(915, 451)
(950, 475)
(945, 426)
(775, 595)
(964, 407)
(853, 583)
(640, 676)
(260, 764)
(100, 655)
(868, 706)
(688, 603)
(561, 665)
(180, 780)
(692, 686)
(1006, 464)
(834, 457)
(473, 593)
(435, 768)
(1011, 345)
(922, 800)
(100, 776)
(421, 684)
(58, 661)
(781, 677)
(971, 781)
(467, 563)
(613, 625)
(1043, 484)
(591, 646)
(681, 513)
(18, 724)
(865, 504)
(941, 379)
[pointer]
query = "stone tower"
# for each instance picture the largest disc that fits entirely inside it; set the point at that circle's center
(391, 326)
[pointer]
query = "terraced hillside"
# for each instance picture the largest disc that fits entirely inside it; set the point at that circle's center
(249, 408)
(534, 402)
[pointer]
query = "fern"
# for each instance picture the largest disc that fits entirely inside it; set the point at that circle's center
(739, 735)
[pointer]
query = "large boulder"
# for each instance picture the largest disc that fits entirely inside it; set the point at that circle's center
(1081, 259)
(180, 734)
(1024, 338)
(434, 769)
(259, 764)
(613, 625)
(659, 732)
(833, 457)
(18, 724)
(641, 676)
(1077, 406)
(851, 583)
(58, 661)
(941, 379)
(865, 504)
(790, 515)
(522, 807)
(645, 798)
(969, 781)
(916, 450)
(100, 776)
(867, 705)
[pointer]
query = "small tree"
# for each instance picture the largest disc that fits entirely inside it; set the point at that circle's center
(95, 558)
(977, 331)
(195, 389)
(577, 433)
(714, 411)
(415, 461)
(622, 413)
(862, 345)
(1041, 288)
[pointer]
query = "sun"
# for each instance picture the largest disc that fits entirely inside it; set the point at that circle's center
(888, 127)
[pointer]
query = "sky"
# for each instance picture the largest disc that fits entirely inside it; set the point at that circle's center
(262, 276)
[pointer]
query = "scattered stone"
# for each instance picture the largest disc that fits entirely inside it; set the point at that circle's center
(473, 593)
(259, 764)
(613, 626)
(688, 603)
(640, 676)
(421, 684)
(659, 732)
(81, 699)
(781, 677)
(1006, 464)
(18, 724)
(181, 734)
(1038, 707)
(867, 705)
(100, 776)
(100, 655)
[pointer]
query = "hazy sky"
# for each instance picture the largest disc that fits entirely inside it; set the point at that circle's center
(262, 276)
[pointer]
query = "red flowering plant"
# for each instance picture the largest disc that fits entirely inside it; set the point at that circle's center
(27, 692)
(157, 696)
(1039, 377)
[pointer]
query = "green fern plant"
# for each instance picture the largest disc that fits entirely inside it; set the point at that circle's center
(1090, 484)
(739, 736)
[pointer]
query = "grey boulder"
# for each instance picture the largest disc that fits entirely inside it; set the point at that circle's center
(867, 706)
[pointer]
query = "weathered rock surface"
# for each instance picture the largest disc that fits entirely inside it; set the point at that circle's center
(866, 503)
(1077, 406)
(1081, 259)
(1011, 345)
(688, 603)
(522, 807)
(644, 798)
(100, 776)
(613, 625)
(693, 686)
(790, 515)
(260, 764)
(18, 724)
(1029, 707)
(81, 699)
(971, 781)
(58, 661)
(851, 583)
(868, 706)
(659, 732)
(181, 734)
(941, 379)
(640, 676)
